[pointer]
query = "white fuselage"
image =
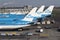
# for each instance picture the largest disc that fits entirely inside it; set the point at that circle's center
(12, 26)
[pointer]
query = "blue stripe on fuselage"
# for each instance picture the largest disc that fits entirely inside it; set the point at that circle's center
(10, 22)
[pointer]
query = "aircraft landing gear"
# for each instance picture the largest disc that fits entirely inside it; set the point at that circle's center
(21, 29)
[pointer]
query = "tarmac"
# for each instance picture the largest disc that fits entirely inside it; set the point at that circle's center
(47, 34)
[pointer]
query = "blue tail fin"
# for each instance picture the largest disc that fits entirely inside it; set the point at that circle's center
(30, 16)
(49, 9)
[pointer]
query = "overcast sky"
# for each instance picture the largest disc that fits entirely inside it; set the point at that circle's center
(29, 2)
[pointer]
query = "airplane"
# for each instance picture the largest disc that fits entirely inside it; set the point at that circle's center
(10, 24)
(17, 17)
(14, 16)
(27, 20)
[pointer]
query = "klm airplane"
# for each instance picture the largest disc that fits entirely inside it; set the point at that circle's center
(11, 24)
(14, 16)
(27, 20)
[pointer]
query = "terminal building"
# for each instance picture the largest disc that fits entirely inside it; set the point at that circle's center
(17, 10)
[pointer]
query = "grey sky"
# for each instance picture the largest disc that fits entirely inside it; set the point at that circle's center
(29, 2)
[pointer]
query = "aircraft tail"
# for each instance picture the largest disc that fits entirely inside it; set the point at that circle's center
(30, 16)
(49, 9)
(41, 9)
